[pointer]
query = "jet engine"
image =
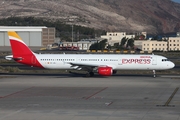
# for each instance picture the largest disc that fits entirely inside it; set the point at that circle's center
(105, 71)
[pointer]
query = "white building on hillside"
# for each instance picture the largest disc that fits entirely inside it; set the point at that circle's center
(115, 37)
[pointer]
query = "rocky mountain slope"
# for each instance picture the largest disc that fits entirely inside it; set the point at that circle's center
(112, 15)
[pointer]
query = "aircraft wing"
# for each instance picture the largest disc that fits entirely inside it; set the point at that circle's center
(85, 66)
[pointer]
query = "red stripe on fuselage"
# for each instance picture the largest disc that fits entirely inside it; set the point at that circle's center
(20, 50)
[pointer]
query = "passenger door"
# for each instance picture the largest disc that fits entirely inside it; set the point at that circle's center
(154, 60)
(119, 61)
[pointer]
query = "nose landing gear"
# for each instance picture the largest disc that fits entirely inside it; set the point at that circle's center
(154, 73)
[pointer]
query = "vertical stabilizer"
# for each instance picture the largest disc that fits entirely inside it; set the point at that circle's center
(21, 52)
(19, 48)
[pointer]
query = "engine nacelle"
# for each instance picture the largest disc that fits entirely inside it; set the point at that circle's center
(105, 71)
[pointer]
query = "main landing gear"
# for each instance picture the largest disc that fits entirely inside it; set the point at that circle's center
(90, 74)
(154, 73)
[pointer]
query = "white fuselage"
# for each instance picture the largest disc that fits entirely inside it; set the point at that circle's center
(116, 61)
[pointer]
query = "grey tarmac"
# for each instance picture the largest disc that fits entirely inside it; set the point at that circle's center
(63, 97)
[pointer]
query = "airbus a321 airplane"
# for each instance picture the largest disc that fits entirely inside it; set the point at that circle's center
(103, 64)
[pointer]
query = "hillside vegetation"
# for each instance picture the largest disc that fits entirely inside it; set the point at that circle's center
(112, 15)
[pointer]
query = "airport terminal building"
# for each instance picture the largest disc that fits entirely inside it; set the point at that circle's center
(33, 36)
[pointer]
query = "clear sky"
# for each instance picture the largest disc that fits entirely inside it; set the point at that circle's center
(178, 1)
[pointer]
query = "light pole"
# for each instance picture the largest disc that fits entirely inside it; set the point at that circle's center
(72, 32)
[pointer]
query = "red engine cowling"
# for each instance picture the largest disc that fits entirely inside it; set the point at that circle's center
(105, 71)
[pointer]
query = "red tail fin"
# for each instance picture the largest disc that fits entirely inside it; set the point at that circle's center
(19, 48)
(21, 52)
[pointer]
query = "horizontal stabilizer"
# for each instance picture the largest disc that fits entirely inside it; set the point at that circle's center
(10, 57)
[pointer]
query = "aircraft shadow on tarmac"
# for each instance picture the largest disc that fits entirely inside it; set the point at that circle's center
(68, 75)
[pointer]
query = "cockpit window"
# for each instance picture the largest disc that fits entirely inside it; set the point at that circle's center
(165, 60)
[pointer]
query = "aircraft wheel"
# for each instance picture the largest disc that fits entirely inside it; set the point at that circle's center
(114, 71)
(90, 74)
(87, 75)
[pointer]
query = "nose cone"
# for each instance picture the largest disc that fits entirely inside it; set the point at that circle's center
(171, 65)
